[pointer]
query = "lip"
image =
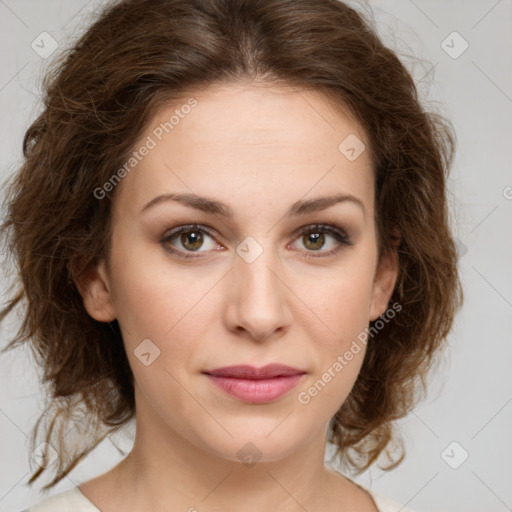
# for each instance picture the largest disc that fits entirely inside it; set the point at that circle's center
(256, 385)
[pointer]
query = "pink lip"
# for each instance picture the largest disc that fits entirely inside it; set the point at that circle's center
(256, 385)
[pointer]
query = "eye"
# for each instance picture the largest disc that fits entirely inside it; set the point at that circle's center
(184, 241)
(314, 238)
(191, 238)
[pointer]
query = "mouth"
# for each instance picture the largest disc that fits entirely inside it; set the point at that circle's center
(256, 385)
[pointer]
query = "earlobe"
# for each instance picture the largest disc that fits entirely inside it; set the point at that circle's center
(93, 285)
(384, 284)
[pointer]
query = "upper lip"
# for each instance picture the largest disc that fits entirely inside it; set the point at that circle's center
(269, 371)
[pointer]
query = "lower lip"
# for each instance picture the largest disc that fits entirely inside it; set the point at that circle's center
(257, 391)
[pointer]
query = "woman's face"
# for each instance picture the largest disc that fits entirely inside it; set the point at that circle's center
(254, 166)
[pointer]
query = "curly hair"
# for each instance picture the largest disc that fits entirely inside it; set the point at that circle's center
(99, 96)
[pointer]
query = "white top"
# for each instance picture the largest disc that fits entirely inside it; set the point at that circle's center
(74, 500)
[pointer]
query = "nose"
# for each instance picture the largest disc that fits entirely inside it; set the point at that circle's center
(258, 296)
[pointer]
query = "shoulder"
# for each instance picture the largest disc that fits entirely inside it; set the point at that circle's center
(385, 504)
(65, 501)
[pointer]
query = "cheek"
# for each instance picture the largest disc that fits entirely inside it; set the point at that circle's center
(341, 315)
(325, 391)
(339, 360)
(153, 297)
(339, 303)
(173, 311)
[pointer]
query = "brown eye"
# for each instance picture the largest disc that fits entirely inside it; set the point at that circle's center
(186, 240)
(322, 239)
(191, 240)
(313, 241)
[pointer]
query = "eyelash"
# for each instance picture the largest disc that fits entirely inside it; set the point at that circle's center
(331, 229)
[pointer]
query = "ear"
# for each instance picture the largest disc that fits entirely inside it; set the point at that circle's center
(384, 283)
(93, 285)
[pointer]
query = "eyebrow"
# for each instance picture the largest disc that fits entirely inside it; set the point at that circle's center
(208, 205)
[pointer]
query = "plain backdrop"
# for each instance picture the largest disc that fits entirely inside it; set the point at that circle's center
(458, 442)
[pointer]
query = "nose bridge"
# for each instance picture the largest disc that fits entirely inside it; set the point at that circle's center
(260, 299)
(255, 259)
(254, 263)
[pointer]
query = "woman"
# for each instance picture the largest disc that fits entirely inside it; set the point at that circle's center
(231, 224)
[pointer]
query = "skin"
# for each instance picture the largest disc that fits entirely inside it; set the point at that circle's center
(258, 149)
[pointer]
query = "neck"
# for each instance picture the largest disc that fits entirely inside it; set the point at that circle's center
(170, 470)
(165, 471)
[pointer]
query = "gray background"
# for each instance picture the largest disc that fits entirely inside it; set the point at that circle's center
(470, 399)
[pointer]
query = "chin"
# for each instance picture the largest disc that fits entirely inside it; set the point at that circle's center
(252, 444)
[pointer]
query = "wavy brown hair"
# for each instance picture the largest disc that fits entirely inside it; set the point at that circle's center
(101, 94)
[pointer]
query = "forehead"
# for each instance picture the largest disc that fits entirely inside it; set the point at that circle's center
(230, 140)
